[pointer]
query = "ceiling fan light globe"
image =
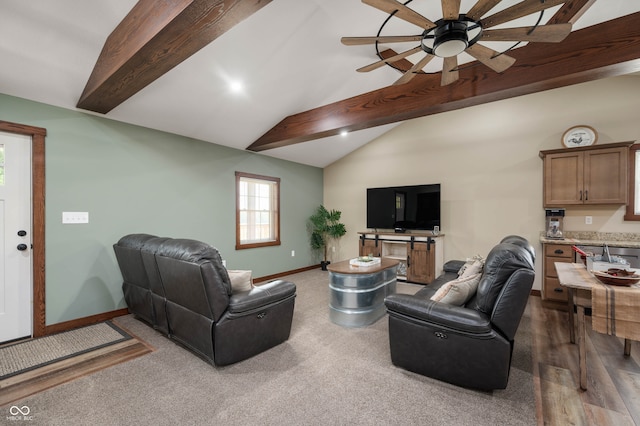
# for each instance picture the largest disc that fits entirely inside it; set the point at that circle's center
(450, 48)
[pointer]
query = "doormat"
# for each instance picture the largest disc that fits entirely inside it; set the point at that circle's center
(29, 355)
(34, 365)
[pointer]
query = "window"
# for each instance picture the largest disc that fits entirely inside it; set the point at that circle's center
(257, 211)
(633, 207)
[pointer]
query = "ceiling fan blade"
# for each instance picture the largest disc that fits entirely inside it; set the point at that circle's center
(544, 33)
(390, 59)
(450, 73)
(353, 41)
(524, 8)
(450, 9)
(480, 8)
(403, 12)
(488, 57)
(414, 69)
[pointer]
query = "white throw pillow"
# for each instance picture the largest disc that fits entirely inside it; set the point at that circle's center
(459, 291)
(475, 268)
(472, 266)
(240, 280)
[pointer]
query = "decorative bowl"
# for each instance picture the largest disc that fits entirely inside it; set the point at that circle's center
(614, 276)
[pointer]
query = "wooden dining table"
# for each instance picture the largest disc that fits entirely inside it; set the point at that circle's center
(580, 284)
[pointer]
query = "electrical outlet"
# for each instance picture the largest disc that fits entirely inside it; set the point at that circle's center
(293, 253)
(588, 220)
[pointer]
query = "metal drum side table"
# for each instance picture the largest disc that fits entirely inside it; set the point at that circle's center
(357, 293)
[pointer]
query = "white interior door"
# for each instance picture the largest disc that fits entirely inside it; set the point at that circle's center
(16, 286)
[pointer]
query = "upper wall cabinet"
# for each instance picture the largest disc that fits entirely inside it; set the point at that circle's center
(586, 175)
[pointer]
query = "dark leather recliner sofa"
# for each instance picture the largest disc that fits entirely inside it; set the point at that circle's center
(181, 288)
(469, 345)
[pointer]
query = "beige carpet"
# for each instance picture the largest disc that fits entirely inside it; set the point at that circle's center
(324, 374)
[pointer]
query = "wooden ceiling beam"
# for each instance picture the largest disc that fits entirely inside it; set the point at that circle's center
(604, 50)
(153, 38)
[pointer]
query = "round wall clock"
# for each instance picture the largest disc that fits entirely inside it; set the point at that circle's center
(579, 136)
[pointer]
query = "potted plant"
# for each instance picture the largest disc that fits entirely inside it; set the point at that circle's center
(324, 226)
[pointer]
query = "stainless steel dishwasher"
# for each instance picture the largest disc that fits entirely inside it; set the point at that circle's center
(631, 255)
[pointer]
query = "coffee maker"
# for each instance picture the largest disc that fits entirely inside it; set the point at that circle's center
(553, 225)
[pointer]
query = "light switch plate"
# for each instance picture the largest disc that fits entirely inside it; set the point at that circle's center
(75, 217)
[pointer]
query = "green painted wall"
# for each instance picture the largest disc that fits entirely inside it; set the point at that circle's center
(132, 179)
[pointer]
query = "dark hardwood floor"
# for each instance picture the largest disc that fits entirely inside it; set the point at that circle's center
(613, 394)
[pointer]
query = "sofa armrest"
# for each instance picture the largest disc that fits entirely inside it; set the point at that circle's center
(453, 265)
(438, 314)
(260, 296)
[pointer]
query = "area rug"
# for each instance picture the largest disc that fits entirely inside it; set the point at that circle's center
(26, 356)
(30, 366)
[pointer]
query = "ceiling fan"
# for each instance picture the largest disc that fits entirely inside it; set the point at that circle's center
(456, 33)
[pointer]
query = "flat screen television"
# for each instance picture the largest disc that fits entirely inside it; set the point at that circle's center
(404, 207)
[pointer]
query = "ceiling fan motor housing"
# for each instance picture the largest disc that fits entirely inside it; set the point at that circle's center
(450, 39)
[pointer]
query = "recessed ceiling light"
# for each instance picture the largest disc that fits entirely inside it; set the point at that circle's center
(344, 133)
(236, 86)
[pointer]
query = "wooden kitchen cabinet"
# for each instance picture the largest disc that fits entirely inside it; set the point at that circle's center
(551, 288)
(586, 175)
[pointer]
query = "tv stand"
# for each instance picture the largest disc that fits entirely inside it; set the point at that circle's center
(421, 254)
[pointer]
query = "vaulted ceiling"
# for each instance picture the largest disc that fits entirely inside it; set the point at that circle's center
(170, 65)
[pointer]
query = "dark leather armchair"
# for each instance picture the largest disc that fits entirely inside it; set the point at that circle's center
(468, 345)
(181, 288)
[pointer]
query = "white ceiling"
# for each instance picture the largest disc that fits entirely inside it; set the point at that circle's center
(288, 56)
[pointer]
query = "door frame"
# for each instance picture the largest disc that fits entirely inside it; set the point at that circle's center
(38, 135)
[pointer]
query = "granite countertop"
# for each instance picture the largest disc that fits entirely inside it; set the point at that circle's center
(588, 238)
